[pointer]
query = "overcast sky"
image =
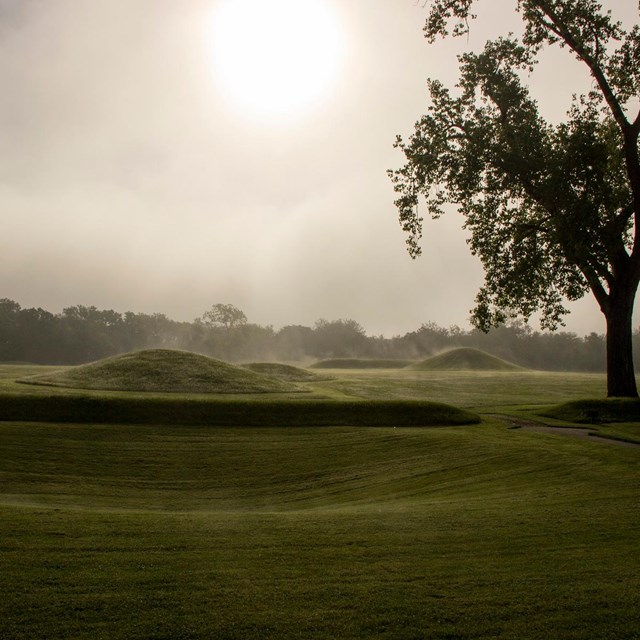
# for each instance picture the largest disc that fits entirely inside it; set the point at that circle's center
(132, 178)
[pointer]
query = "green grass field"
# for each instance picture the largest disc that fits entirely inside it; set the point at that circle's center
(177, 531)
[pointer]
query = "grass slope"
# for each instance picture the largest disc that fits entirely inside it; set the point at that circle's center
(186, 533)
(305, 412)
(163, 370)
(465, 358)
(360, 363)
(285, 372)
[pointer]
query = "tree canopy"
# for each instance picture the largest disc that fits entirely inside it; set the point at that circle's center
(552, 209)
(225, 315)
(83, 334)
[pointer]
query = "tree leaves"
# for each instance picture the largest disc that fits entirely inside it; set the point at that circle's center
(224, 315)
(551, 209)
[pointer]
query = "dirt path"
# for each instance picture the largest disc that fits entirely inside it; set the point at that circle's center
(584, 433)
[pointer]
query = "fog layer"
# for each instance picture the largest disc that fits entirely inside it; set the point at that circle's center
(127, 181)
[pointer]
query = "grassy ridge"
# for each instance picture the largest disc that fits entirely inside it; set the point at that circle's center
(208, 411)
(139, 532)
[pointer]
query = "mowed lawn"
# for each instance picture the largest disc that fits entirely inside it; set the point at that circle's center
(116, 531)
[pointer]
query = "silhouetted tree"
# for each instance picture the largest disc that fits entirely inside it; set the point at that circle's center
(142, 331)
(91, 333)
(426, 341)
(9, 318)
(252, 342)
(80, 334)
(294, 342)
(338, 339)
(225, 315)
(553, 211)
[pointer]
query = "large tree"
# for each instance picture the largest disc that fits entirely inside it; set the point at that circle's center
(553, 210)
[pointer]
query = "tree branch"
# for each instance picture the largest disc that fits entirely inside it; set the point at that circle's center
(557, 26)
(601, 296)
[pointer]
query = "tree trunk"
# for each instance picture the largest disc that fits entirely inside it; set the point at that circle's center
(621, 378)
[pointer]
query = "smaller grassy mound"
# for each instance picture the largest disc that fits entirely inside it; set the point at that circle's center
(284, 372)
(162, 370)
(360, 363)
(466, 359)
(594, 411)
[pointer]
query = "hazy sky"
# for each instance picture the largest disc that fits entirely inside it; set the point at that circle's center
(136, 175)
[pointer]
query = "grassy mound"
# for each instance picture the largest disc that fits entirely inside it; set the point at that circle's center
(360, 363)
(285, 372)
(162, 370)
(592, 411)
(181, 410)
(465, 359)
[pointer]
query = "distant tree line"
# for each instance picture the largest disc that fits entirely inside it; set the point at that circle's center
(82, 334)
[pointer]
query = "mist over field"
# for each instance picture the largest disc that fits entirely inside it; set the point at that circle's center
(84, 334)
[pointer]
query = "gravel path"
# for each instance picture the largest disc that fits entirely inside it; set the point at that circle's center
(585, 433)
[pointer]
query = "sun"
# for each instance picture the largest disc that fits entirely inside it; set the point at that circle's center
(279, 58)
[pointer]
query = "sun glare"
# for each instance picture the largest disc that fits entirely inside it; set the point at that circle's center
(275, 59)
